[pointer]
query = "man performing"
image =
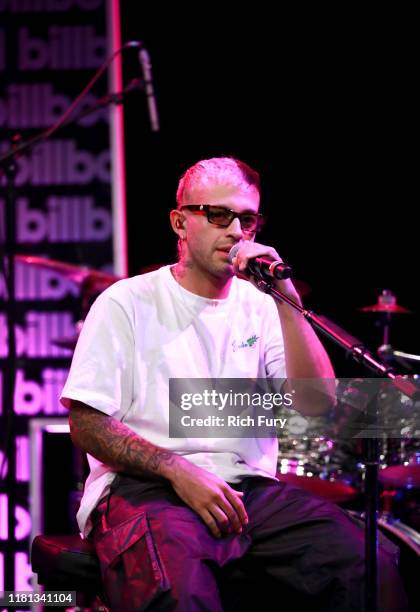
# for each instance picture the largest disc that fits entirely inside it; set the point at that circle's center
(170, 517)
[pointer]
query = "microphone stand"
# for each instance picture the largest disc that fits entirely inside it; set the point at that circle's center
(359, 353)
(9, 167)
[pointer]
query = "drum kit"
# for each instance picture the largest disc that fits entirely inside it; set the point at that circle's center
(322, 463)
(316, 456)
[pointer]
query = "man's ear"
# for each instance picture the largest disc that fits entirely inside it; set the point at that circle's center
(178, 223)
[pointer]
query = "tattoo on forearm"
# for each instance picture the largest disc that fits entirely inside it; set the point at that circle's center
(116, 445)
(159, 458)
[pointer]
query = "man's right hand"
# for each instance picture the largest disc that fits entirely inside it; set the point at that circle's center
(220, 506)
(118, 446)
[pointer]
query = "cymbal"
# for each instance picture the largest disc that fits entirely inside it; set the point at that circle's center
(333, 491)
(67, 343)
(387, 303)
(78, 274)
(391, 308)
(401, 476)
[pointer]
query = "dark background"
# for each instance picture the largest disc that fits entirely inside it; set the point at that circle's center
(326, 113)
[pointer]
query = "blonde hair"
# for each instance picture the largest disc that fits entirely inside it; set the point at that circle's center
(220, 170)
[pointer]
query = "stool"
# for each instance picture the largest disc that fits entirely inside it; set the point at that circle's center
(67, 563)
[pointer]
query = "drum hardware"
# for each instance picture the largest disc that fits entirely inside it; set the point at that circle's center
(406, 475)
(336, 492)
(386, 352)
(387, 306)
(310, 460)
(399, 471)
(408, 542)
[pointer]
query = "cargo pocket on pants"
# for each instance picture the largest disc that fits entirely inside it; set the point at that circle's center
(132, 572)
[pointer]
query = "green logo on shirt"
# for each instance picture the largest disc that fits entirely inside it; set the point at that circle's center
(249, 342)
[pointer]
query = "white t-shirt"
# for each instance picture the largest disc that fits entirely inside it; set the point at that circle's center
(144, 330)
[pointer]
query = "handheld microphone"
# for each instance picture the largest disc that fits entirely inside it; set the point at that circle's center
(262, 267)
(146, 67)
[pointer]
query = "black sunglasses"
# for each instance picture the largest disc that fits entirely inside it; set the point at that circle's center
(223, 217)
